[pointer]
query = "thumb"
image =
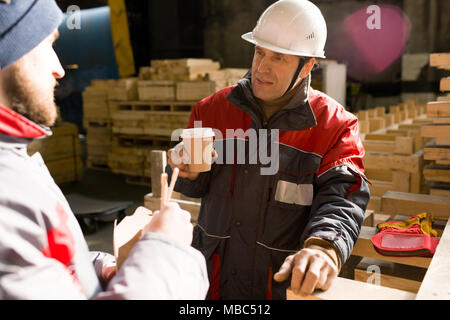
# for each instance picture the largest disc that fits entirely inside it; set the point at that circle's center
(285, 270)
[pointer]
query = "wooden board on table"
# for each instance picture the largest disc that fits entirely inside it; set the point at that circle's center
(436, 284)
(346, 289)
(392, 275)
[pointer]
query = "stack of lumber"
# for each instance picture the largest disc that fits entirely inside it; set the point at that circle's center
(394, 149)
(123, 89)
(179, 69)
(97, 122)
(226, 77)
(152, 108)
(177, 80)
(130, 156)
(437, 173)
(61, 153)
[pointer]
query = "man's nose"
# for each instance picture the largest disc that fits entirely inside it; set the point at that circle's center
(58, 70)
(263, 66)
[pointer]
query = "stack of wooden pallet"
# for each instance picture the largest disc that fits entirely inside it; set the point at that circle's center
(97, 121)
(394, 149)
(162, 100)
(61, 153)
(226, 77)
(437, 173)
(178, 69)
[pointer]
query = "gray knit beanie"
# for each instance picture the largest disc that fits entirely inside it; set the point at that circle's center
(24, 24)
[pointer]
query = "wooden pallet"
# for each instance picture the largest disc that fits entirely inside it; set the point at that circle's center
(437, 171)
(172, 106)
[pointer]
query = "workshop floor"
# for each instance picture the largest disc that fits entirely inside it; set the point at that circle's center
(104, 185)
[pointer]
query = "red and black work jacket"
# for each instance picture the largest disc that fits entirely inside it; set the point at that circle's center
(250, 222)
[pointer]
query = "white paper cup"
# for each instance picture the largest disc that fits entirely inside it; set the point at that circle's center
(198, 146)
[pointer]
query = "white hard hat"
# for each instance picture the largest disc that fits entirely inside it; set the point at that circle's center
(294, 27)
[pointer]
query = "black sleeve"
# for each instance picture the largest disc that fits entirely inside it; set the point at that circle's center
(338, 209)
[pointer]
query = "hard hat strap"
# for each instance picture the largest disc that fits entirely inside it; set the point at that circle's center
(301, 64)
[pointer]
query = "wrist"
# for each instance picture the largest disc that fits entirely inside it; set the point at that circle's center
(326, 247)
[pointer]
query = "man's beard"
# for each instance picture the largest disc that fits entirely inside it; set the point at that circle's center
(29, 97)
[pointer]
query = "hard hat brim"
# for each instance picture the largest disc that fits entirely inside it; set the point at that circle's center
(250, 38)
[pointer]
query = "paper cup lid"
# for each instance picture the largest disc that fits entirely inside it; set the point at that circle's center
(197, 133)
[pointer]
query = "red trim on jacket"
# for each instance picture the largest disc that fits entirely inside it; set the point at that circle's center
(16, 125)
(61, 243)
(335, 138)
(214, 287)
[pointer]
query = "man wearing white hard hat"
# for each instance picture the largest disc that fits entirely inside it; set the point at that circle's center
(261, 233)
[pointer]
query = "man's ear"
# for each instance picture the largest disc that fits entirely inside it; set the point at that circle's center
(307, 68)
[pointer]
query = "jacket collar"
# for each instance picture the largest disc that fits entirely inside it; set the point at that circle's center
(295, 115)
(15, 125)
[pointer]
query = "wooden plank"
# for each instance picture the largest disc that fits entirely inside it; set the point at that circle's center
(392, 275)
(378, 188)
(440, 192)
(368, 218)
(385, 161)
(194, 90)
(401, 181)
(380, 137)
(375, 174)
(379, 146)
(436, 130)
(158, 165)
(445, 84)
(437, 173)
(404, 145)
(439, 59)
(416, 182)
(438, 109)
(156, 90)
(364, 248)
(364, 126)
(346, 289)
(377, 124)
(374, 203)
(154, 203)
(440, 120)
(411, 204)
(380, 218)
(436, 284)
(443, 141)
